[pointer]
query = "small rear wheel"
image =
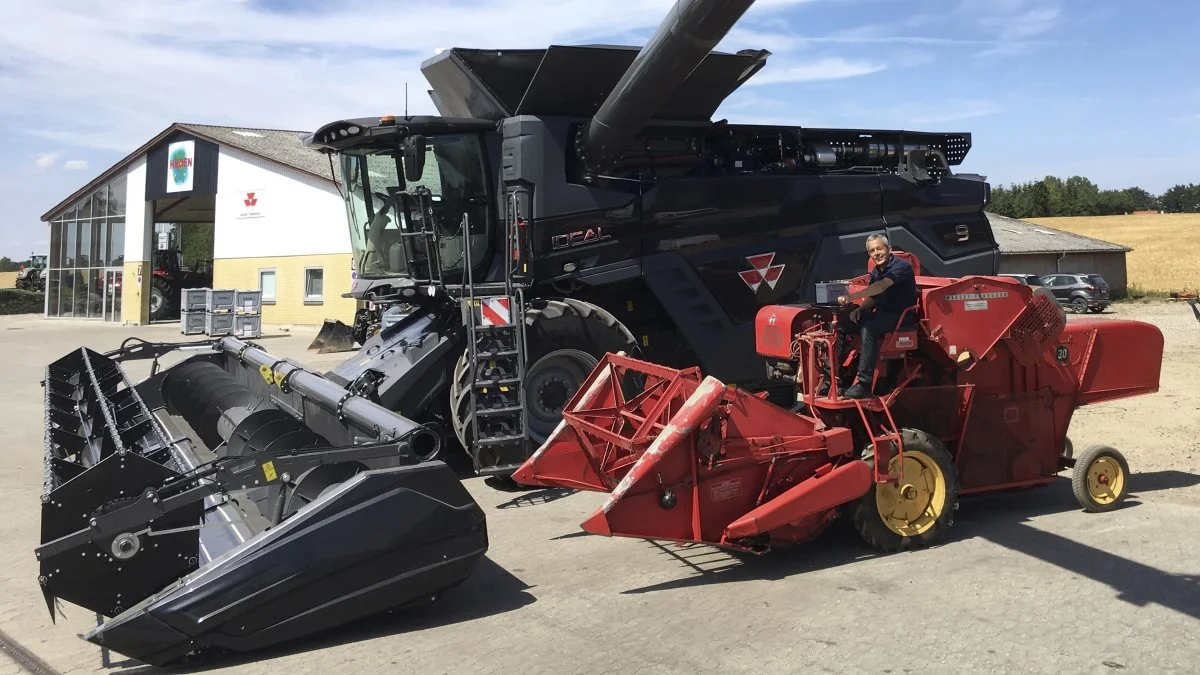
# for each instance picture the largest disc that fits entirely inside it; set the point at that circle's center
(1100, 480)
(919, 510)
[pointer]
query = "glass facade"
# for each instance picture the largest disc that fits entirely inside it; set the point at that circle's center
(87, 252)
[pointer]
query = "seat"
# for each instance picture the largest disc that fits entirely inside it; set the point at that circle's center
(903, 338)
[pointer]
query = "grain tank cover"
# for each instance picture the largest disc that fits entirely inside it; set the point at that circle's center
(571, 80)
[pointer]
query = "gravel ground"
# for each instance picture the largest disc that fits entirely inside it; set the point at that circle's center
(1027, 583)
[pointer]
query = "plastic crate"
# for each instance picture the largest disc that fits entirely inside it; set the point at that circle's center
(219, 299)
(192, 322)
(248, 325)
(193, 299)
(218, 323)
(248, 302)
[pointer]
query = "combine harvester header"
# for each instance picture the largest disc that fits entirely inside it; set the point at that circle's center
(976, 390)
(236, 500)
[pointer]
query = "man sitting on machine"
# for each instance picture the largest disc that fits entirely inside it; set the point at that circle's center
(892, 290)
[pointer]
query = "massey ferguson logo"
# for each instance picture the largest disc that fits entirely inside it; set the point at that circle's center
(763, 272)
(590, 235)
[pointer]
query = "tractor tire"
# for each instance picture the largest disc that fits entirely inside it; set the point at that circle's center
(160, 299)
(566, 339)
(932, 498)
(1100, 480)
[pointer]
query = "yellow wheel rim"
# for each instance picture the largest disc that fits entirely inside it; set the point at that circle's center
(912, 506)
(1105, 480)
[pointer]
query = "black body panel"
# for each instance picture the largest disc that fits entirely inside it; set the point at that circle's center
(386, 538)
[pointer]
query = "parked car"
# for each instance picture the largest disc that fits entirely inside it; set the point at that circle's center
(1027, 279)
(1080, 292)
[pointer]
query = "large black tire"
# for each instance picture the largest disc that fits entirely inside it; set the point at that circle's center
(161, 299)
(929, 470)
(566, 339)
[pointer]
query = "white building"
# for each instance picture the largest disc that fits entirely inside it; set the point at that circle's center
(263, 209)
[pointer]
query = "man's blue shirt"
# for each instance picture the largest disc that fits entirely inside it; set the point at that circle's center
(903, 292)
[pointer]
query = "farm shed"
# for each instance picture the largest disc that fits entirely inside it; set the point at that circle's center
(1026, 248)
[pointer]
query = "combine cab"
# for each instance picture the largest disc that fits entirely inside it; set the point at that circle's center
(236, 500)
(578, 200)
(975, 391)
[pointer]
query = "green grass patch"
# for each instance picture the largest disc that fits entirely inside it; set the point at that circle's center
(20, 301)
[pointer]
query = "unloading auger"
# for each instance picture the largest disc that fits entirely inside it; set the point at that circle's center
(236, 500)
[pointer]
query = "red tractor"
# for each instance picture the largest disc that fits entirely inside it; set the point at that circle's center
(170, 277)
(975, 390)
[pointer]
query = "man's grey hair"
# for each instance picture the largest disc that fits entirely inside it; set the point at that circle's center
(879, 237)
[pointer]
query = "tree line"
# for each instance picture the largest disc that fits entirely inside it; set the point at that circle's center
(9, 265)
(1078, 196)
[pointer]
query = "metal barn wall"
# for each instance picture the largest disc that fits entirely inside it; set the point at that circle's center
(1108, 264)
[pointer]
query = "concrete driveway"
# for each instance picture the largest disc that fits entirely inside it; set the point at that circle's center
(1028, 583)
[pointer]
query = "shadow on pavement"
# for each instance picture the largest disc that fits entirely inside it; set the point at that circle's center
(536, 498)
(999, 518)
(491, 590)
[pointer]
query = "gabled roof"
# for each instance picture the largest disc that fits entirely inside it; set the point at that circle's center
(1019, 237)
(280, 146)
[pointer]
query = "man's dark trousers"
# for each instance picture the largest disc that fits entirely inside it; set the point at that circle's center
(872, 326)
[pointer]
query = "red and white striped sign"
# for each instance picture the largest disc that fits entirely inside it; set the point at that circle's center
(495, 312)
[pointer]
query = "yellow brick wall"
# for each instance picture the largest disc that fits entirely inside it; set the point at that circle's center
(8, 279)
(133, 309)
(289, 307)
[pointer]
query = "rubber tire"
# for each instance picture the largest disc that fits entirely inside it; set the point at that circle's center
(865, 512)
(1079, 478)
(164, 308)
(550, 325)
(1079, 305)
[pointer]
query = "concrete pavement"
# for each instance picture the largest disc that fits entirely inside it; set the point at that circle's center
(1028, 583)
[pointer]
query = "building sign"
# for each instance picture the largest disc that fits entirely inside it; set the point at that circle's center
(181, 159)
(250, 204)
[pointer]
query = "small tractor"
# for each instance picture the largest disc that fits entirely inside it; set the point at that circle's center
(973, 393)
(578, 200)
(33, 278)
(170, 277)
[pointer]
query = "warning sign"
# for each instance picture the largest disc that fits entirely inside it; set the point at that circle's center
(496, 312)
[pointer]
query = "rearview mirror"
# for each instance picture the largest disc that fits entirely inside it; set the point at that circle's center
(414, 157)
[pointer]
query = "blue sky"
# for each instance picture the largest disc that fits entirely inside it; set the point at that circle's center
(1099, 88)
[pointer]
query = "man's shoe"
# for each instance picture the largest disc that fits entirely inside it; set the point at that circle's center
(857, 390)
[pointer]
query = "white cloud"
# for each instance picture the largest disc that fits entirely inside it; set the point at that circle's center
(45, 160)
(139, 65)
(830, 68)
(76, 164)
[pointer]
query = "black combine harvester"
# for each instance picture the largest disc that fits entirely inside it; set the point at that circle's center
(578, 200)
(571, 201)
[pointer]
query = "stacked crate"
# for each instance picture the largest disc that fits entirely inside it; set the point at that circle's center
(191, 311)
(248, 314)
(218, 310)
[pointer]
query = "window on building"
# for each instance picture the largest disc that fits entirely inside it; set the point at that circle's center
(86, 251)
(314, 284)
(266, 284)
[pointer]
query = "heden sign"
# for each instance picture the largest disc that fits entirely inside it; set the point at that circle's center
(181, 160)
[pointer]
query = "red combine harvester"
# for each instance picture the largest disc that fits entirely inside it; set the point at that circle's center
(975, 392)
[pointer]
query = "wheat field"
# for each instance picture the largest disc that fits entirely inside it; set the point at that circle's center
(1160, 262)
